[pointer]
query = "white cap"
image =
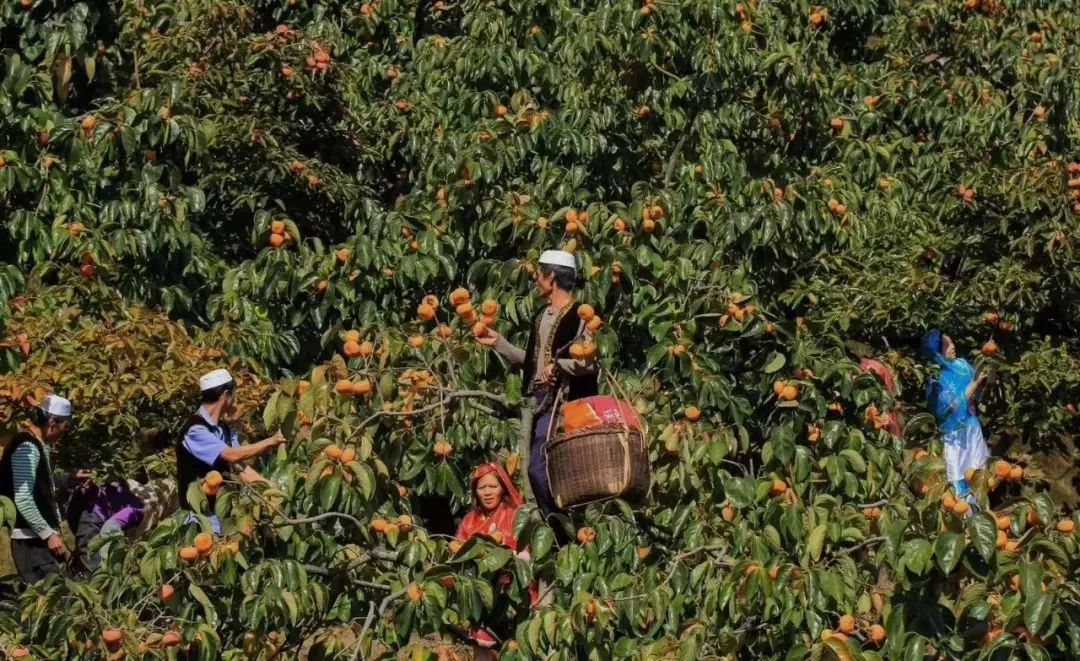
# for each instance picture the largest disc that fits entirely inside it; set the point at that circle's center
(214, 379)
(558, 258)
(56, 405)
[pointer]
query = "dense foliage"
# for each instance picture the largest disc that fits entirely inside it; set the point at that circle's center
(759, 192)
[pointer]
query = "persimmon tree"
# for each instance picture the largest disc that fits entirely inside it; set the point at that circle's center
(758, 193)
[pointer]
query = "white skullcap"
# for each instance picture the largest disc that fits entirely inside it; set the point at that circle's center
(56, 405)
(558, 258)
(214, 379)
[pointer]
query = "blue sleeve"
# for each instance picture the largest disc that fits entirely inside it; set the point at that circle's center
(204, 444)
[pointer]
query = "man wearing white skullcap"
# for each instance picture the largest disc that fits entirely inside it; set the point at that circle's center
(207, 443)
(546, 363)
(26, 477)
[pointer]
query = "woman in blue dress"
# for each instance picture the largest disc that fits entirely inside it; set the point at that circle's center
(952, 397)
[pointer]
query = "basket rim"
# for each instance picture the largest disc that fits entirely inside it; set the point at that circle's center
(596, 429)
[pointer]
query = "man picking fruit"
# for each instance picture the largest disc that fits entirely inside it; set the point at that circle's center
(26, 478)
(548, 363)
(208, 444)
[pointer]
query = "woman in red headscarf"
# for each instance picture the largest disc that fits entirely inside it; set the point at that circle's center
(495, 503)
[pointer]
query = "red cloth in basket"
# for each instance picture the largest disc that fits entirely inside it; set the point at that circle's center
(595, 411)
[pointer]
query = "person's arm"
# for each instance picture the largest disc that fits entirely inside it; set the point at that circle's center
(239, 453)
(503, 347)
(578, 366)
(24, 467)
(128, 517)
(209, 448)
(974, 386)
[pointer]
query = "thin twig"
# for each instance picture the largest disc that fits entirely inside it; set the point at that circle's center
(675, 153)
(363, 632)
(449, 397)
(371, 618)
(674, 156)
(866, 542)
(320, 517)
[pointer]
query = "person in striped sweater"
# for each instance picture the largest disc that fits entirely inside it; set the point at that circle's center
(26, 477)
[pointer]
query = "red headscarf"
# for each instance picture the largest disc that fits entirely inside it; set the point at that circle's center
(480, 521)
(884, 373)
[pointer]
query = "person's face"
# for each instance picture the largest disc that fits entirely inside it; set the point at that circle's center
(544, 283)
(489, 492)
(948, 348)
(55, 428)
(229, 406)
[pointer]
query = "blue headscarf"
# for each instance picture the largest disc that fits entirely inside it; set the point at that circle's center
(945, 395)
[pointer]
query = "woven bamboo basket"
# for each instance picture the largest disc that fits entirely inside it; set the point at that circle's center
(598, 463)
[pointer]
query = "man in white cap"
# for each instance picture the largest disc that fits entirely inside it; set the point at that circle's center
(207, 443)
(26, 477)
(546, 363)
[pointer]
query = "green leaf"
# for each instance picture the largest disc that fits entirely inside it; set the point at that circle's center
(495, 558)
(916, 555)
(948, 549)
(512, 390)
(816, 541)
(914, 648)
(10, 514)
(1036, 610)
(1045, 507)
(773, 536)
(857, 463)
(198, 595)
(1031, 578)
(982, 528)
(775, 363)
(329, 489)
(270, 412)
(290, 603)
(196, 498)
(542, 541)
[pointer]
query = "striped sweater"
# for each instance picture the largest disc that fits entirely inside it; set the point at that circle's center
(24, 467)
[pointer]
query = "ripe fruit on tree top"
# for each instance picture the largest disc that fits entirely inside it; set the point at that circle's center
(459, 296)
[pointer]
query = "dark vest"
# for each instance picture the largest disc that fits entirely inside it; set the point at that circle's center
(190, 468)
(566, 331)
(44, 496)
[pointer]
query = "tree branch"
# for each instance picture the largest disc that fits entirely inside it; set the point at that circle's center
(670, 169)
(371, 615)
(524, 449)
(870, 541)
(447, 398)
(320, 517)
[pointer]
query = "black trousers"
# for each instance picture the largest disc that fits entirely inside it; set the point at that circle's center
(88, 528)
(33, 560)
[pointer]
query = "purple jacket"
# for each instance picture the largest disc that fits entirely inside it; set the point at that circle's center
(114, 501)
